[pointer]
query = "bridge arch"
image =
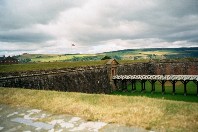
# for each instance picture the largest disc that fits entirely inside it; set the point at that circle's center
(153, 78)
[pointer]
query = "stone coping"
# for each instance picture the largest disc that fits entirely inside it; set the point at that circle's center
(47, 72)
(158, 77)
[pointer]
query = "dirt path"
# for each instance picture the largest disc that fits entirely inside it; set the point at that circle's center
(14, 119)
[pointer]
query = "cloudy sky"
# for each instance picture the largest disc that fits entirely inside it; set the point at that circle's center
(52, 26)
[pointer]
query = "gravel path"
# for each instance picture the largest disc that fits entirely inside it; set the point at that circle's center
(14, 119)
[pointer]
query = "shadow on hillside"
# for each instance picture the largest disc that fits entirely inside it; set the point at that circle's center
(158, 95)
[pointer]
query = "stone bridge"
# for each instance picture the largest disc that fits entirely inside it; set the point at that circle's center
(152, 79)
(104, 78)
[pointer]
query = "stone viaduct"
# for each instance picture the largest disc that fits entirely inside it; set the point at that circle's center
(93, 79)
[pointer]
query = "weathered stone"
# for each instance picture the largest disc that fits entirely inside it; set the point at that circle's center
(92, 79)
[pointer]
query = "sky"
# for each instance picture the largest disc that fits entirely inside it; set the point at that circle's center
(95, 26)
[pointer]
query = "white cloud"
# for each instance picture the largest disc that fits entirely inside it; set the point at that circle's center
(49, 26)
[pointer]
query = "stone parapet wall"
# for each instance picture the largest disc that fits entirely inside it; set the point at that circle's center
(91, 79)
(160, 68)
(86, 80)
(52, 71)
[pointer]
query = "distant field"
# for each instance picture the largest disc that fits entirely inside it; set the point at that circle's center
(128, 54)
(51, 57)
(147, 55)
(156, 53)
(160, 114)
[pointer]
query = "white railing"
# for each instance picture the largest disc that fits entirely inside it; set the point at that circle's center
(157, 77)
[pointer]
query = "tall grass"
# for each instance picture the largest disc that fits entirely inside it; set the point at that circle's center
(140, 111)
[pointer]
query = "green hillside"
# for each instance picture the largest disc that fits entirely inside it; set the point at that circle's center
(128, 54)
(155, 53)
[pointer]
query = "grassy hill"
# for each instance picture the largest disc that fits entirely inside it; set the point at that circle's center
(52, 57)
(128, 54)
(155, 53)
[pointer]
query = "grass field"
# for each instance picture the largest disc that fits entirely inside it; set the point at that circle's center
(179, 93)
(51, 57)
(58, 58)
(146, 54)
(128, 54)
(157, 53)
(141, 111)
(56, 65)
(47, 65)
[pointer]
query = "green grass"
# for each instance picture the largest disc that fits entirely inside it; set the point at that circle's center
(52, 57)
(140, 111)
(56, 65)
(133, 61)
(159, 53)
(47, 66)
(58, 58)
(179, 96)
